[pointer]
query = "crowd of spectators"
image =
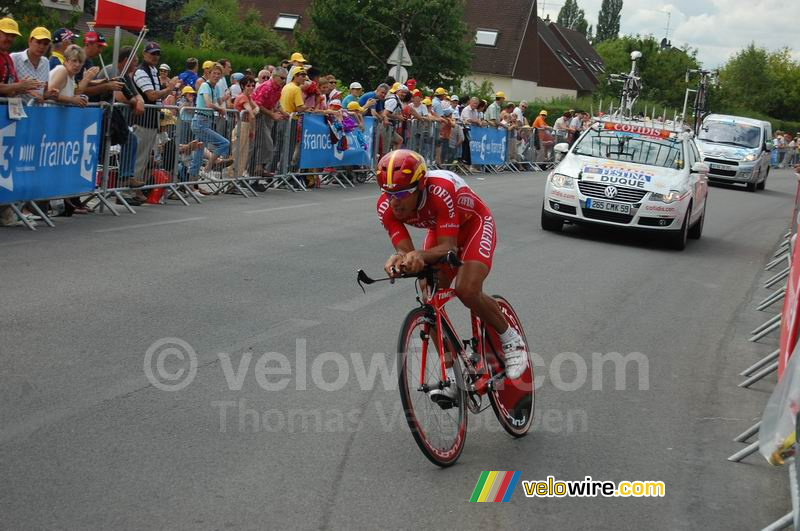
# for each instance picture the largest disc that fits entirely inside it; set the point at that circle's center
(186, 112)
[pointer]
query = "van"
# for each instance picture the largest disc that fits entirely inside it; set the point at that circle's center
(736, 149)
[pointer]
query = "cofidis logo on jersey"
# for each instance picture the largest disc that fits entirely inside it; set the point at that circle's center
(494, 486)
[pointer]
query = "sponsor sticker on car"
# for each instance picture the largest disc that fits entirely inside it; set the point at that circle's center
(619, 175)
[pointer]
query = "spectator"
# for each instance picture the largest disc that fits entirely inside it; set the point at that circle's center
(417, 107)
(296, 60)
(266, 96)
(245, 133)
(292, 93)
(541, 120)
(10, 85)
(455, 104)
(236, 86)
(393, 108)
(507, 117)
(32, 64)
(375, 101)
(335, 93)
(149, 87)
(442, 152)
(224, 88)
(286, 64)
(355, 93)
(209, 99)
(470, 116)
(93, 44)
(62, 37)
(263, 77)
(62, 77)
(575, 125)
(189, 76)
(439, 96)
(120, 132)
(492, 112)
(310, 89)
(519, 113)
(206, 71)
(562, 127)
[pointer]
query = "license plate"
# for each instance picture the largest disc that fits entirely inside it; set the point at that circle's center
(721, 167)
(606, 206)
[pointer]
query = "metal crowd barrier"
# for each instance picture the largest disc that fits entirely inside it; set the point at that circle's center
(183, 153)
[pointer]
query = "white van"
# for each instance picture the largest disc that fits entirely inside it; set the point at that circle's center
(736, 149)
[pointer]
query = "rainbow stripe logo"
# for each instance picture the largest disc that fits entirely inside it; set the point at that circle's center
(495, 486)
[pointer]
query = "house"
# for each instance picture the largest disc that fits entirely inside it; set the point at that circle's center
(519, 53)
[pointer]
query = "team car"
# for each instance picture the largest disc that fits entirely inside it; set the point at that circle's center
(630, 174)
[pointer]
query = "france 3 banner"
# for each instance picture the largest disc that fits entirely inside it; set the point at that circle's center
(51, 153)
(335, 144)
(487, 145)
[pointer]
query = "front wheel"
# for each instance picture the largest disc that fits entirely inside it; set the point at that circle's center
(550, 221)
(439, 432)
(513, 401)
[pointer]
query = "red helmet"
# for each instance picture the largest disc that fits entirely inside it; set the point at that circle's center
(401, 169)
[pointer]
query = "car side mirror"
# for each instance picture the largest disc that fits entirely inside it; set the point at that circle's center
(767, 146)
(561, 147)
(700, 167)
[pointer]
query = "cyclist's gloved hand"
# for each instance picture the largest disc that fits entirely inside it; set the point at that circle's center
(412, 263)
(392, 266)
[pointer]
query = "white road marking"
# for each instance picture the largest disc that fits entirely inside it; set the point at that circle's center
(154, 224)
(273, 209)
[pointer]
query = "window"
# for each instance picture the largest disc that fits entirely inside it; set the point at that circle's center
(486, 37)
(565, 58)
(286, 22)
(592, 66)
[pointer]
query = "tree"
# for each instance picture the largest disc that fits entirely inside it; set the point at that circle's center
(572, 17)
(353, 38)
(608, 20)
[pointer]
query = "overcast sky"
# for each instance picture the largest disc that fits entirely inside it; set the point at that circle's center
(717, 28)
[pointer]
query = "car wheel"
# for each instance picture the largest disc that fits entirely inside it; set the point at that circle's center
(752, 187)
(677, 240)
(763, 184)
(551, 221)
(697, 229)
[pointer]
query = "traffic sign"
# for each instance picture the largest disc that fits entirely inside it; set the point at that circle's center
(399, 73)
(400, 55)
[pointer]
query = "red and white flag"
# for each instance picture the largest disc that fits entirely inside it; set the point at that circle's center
(127, 14)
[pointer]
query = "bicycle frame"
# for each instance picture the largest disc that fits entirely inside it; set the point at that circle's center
(439, 298)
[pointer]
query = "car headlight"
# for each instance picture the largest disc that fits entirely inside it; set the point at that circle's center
(559, 180)
(669, 197)
(750, 157)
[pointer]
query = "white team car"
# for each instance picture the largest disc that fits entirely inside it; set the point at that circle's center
(627, 174)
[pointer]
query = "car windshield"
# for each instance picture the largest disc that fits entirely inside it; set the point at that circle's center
(638, 149)
(730, 132)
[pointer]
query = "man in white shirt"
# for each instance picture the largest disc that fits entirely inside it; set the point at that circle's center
(575, 125)
(32, 64)
(492, 114)
(562, 127)
(519, 113)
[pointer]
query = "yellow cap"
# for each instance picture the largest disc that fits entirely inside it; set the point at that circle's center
(354, 106)
(41, 34)
(543, 112)
(207, 64)
(9, 25)
(188, 90)
(395, 87)
(500, 94)
(426, 101)
(297, 57)
(440, 91)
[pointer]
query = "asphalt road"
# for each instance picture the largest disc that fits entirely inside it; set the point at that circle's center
(87, 441)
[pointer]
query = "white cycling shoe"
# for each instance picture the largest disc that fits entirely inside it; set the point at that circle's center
(445, 398)
(516, 355)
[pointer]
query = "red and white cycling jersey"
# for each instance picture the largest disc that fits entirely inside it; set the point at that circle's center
(448, 207)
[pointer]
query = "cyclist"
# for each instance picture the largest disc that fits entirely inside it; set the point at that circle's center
(457, 220)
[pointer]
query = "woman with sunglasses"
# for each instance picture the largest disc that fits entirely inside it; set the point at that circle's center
(457, 220)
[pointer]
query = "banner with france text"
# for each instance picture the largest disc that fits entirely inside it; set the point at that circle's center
(51, 153)
(488, 145)
(335, 144)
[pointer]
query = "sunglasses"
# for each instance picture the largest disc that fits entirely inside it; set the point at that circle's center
(400, 194)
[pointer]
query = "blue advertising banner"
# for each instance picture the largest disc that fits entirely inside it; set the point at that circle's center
(51, 153)
(487, 145)
(318, 151)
